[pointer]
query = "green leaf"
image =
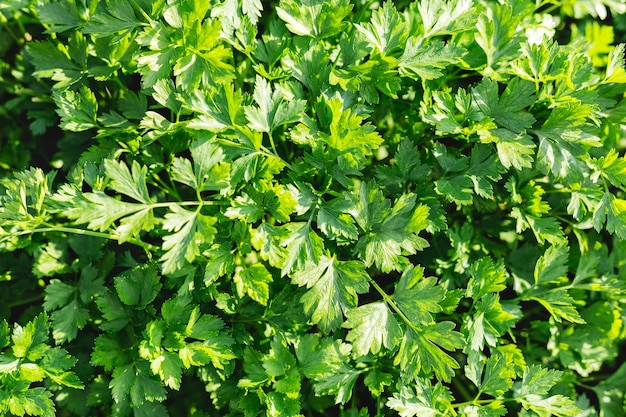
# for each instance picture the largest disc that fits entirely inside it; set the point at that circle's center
(408, 166)
(216, 110)
(333, 286)
(376, 381)
(340, 383)
(390, 232)
(372, 326)
(53, 61)
(122, 382)
(56, 364)
(497, 33)
(273, 44)
(57, 294)
(132, 184)
(610, 393)
(51, 259)
(314, 18)
(538, 380)
(552, 266)
(544, 228)
(507, 110)
(220, 262)
(428, 61)
(348, 133)
(145, 390)
(559, 304)
(321, 357)
(493, 409)
(613, 211)
(417, 296)
(484, 168)
(279, 360)
(490, 321)
(68, 320)
(497, 377)
(246, 208)
(253, 280)
(441, 17)
(209, 171)
(387, 30)
(169, 368)
(202, 326)
(422, 351)
(266, 239)
(4, 334)
(99, 212)
(78, 111)
(113, 311)
(450, 163)
(139, 286)
(252, 9)
(334, 222)
(60, 16)
(29, 342)
(215, 351)
(485, 278)
(556, 405)
(279, 202)
(205, 61)
(273, 109)
(514, 150)
(422, 399)
(560, 156)
(616, 69)
(108, 352)
(541, 62)
(155, 65)
(33, 401)
(190, 228)
(177, 310)
(456, 189)
(119, 18)
(252, 205)
(302, 245)
(613, 167)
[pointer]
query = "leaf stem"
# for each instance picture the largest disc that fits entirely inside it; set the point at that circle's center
(77, 231)
(25, 301)
(472, 402)
(393, 305)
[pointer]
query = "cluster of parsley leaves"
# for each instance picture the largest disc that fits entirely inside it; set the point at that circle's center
(306, 207)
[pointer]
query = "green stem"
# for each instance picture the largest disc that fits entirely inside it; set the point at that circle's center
(460, 387)
(25, 301)
(266, 152)
(393, 305)
(8, 29)
(473, 402)
(272, 143)
(141, 11)
(76, 231)
(170, 190)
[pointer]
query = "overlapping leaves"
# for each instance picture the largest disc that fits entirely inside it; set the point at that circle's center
(324, 200)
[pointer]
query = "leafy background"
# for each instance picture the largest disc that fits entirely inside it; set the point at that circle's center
(312, 208)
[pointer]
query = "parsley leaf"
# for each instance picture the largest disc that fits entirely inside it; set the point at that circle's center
(333, 287)
(386, 30)
(394, 228)
(372, 326)
(427, 62)
(312, 18)
(417, 296)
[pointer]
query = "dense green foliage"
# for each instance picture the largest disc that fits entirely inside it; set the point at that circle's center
(317, 208)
